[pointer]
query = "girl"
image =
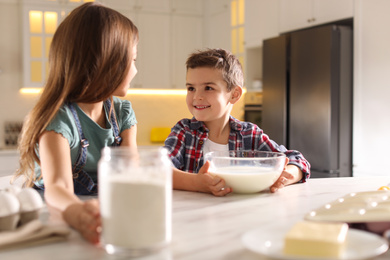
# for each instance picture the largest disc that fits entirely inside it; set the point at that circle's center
(92, 58)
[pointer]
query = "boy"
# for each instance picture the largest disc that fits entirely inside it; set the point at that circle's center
(214, 84)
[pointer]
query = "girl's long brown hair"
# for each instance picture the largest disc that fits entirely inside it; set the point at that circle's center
(89, 57)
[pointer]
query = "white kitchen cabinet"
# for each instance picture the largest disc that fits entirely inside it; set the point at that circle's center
(187, 37)
(159, 6)
(169, 31)
(40, 20)
(217, 6)
(332, 10)
(152, 18)
(36, 39)
(154, 51)
(298, 14)
(260, 21)
(217, 29)
(191, 7)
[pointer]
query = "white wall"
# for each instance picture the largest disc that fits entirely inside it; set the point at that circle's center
(14, 106)
(371, 137)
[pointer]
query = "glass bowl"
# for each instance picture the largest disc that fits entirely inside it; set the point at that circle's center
(247, 171)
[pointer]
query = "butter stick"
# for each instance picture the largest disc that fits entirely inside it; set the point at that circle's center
(318, 239)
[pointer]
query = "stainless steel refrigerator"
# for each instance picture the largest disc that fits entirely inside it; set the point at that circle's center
(307, 96)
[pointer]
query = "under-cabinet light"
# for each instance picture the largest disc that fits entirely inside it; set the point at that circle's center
(129, 92)
(30, 90)
(136, 91)
(133, 91)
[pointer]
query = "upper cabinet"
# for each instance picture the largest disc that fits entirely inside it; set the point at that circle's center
(158, 6)
(217, 18)
(169, 30)
(261, 21)
(300, 14)
(39, 25)
(152, 18)
(187, 37)
(40, 21)
(190, 7)
(154, 54)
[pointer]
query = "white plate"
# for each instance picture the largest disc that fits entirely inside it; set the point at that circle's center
(269, 241)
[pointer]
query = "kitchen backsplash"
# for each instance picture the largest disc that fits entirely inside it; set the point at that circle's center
(152, 111)
(12, 131)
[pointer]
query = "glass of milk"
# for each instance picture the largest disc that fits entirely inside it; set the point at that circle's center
(135, 194)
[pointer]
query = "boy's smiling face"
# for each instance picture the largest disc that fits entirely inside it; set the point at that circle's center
(207, 96)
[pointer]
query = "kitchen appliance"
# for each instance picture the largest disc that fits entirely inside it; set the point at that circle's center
(253, 107)
(307, 96)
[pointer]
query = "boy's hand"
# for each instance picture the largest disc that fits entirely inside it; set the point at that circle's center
(85, 218)
(210, 183)
(291, 174)
(284, 179)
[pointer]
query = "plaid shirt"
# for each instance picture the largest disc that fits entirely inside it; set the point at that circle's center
(185, 144)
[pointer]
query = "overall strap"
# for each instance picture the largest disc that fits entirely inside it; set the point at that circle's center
(82, 155)
(114, 122)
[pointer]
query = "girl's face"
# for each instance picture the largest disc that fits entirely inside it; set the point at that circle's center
(207, 96)
(121, 91)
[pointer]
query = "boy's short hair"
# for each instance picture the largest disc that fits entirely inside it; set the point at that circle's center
(220, 59)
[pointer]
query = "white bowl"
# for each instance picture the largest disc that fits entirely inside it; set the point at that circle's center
(247, 171)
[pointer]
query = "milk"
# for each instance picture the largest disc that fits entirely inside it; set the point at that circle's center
(247, 179)
(135, 213)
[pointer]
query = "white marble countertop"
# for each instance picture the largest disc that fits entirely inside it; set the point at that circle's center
(208, 227)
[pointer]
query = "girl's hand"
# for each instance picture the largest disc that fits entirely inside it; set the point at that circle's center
(210, 183)
(85, 218)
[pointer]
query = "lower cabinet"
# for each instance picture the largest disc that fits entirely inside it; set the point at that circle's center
(9, 162)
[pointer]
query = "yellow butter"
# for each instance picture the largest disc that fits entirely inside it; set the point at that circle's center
(318, 239)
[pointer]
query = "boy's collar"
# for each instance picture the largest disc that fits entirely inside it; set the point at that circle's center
(235, 124)
(196, 125)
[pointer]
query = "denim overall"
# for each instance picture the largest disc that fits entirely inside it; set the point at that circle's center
(82, 182)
